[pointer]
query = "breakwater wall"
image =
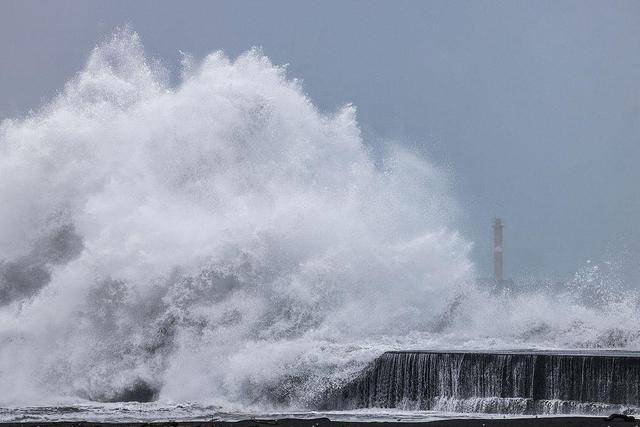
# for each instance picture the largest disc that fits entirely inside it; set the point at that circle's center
(520, 382)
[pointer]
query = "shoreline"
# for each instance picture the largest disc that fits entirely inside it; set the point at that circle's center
(569, 421)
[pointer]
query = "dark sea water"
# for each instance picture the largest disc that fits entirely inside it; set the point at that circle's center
(149, 412)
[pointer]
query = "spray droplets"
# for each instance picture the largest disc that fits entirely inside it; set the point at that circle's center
(203, 225)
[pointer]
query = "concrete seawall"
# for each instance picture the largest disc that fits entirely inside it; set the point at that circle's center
(518, 382)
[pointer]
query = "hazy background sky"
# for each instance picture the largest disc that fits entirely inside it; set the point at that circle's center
(533, 107)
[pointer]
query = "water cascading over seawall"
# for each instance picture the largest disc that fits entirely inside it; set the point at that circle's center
(521, 382)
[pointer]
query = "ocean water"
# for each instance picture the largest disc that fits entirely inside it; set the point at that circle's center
(223, 241)
(153, 412)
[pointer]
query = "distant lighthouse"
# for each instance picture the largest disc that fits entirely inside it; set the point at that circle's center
(498, 272)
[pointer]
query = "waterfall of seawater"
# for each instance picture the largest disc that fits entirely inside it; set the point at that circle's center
(221, 240)
(518, 382)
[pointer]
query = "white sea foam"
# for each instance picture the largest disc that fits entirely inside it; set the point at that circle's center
(223, 241)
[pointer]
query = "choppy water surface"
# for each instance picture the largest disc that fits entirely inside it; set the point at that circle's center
(148, 412)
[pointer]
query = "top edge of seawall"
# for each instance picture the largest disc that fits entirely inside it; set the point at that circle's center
(573, 352)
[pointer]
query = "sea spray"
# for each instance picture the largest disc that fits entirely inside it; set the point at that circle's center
(231, 242)
(223, 241)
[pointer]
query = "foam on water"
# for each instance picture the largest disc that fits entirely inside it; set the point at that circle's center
(222, 241)
(154, 412)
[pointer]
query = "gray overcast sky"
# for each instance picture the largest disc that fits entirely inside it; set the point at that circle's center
(533, 106)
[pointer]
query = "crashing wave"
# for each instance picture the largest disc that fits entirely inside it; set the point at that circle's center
(222, 240)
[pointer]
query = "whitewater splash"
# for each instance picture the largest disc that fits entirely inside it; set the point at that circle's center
(223, 241)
